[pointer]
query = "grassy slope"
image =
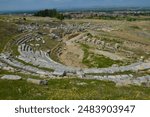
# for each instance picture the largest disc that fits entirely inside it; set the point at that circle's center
(93, 60)
(7, 32)
(69, 89)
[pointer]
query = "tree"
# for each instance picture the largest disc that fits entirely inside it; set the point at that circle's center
(60, 16)
(50, 13)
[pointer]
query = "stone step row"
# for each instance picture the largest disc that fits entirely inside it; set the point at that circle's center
(24, 39)
(24, 47)
(121, 80)
(27, 38)
(133, 67)
(42, 59)
(14, 63)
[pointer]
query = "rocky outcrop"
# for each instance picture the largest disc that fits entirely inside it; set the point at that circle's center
(36, 81)
(11, 77)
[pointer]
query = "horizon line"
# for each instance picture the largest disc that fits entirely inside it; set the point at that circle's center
(79, 8)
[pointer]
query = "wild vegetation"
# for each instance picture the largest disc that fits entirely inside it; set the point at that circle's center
(98, 61)
(71, 89)
(8, 31)
(50, 13)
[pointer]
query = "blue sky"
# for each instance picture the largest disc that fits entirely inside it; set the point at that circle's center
(41, 4)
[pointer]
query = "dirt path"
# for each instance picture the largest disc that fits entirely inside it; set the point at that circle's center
(72, 54)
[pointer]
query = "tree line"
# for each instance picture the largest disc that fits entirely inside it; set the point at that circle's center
(50, 13)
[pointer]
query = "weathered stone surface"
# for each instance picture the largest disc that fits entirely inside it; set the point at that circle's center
(11, 77)
(12, 62)
(38, 82)
(59, 73)
(144, 80)
(80, 74)
(81, 83)
(123, 80)
(133, 67)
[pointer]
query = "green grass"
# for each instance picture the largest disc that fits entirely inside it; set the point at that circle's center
(135, 27)
(7, 32)
(20, 90)
(15, 50)
(101, 61)
(68, 89)
(93, 60)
